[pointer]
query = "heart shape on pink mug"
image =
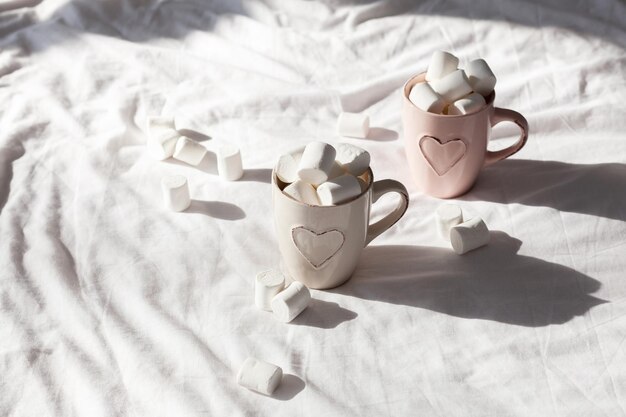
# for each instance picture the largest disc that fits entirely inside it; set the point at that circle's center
(442, 156)
(317, 248)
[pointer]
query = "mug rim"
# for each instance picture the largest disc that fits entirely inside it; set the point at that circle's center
(410, 83)
(352, 200)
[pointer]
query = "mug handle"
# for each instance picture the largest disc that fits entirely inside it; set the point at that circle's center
(378, 189)
(506, 115)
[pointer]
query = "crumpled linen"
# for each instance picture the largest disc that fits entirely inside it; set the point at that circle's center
(111, 306)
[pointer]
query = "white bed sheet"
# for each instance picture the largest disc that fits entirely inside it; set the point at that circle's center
(112, 306)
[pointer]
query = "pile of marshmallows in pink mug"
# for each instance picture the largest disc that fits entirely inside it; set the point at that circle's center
(453, 91)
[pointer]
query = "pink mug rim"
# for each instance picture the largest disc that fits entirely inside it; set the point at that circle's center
(412, 81)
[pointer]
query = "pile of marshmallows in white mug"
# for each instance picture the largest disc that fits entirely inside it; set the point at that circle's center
(324, 175)
(450, 90)
(164, 141)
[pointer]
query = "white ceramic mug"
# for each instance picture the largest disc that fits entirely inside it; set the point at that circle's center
(321, 245)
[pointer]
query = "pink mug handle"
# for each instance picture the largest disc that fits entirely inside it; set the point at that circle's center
(506, 115)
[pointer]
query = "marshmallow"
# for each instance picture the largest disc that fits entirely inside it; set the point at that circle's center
(229, 165)
(175, 192)
(161, 142)
(468, 104)
(453, 86)
(316, 162)
(259, 376)
(480, 77)
(160, 122)
(338, 190)
(441, 64)
(469, 235)
(287, 168)
(425, 98)
(266, 285)
(303, 192)
(290, 302)
(336, 171)
(355, 125)
(448, 215)
(355, 160)
(162, 136)
(189, 151)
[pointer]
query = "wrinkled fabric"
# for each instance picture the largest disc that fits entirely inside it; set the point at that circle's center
(110, 305)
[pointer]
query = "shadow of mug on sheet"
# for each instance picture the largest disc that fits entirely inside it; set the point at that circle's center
(593, 189)
(492, 283)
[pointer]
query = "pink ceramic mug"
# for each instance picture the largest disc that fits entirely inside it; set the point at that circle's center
(446, 153)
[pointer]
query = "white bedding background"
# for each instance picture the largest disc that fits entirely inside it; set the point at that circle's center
(112, 306)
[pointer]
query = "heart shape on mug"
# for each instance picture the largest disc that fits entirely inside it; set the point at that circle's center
(317, 248)
(442, 156)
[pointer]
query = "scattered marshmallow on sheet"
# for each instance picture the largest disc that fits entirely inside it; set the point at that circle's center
(468, 104)
(162, 137)
(448, 215)
(189, 151)
(469, 235)
(425, 98)
(303, 192)
(175, 192)
(441, 64)
(259, 376)
(353, 159)
(229, 165)
(316, 162)
(338, 190)
(290, 302)
(160, 122)
(266, 285)
(480, 77)
(356, 125)
(453, 86)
